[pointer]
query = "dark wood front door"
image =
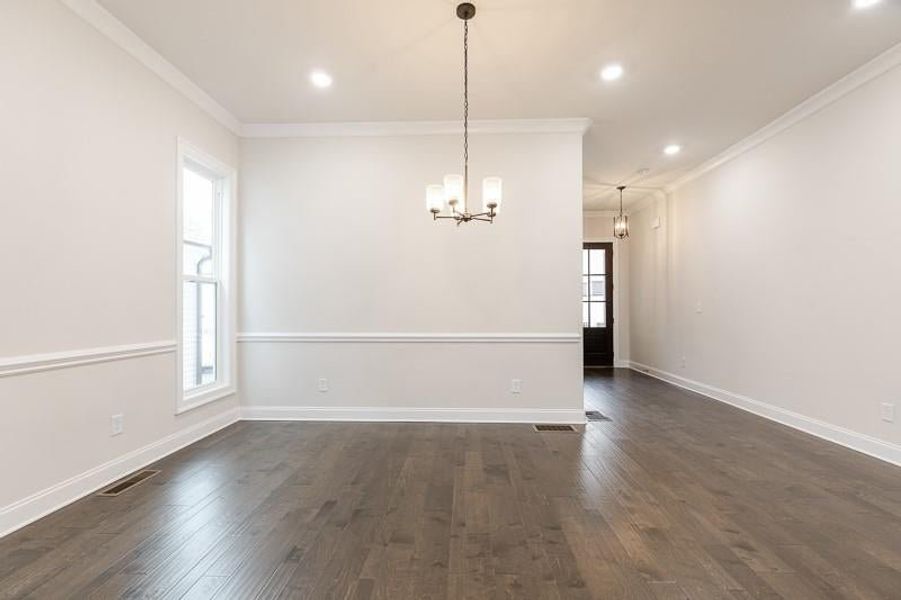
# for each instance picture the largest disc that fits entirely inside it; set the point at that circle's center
(597, 304)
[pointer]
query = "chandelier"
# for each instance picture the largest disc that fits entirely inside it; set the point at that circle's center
(621, 222)
(451, 200)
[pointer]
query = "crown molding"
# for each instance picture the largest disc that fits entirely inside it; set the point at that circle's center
(650, 199)
(588, 213)
(412, 128)
(875, 68)
(130, 42)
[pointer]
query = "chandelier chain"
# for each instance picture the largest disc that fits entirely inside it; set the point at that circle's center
(466, 116)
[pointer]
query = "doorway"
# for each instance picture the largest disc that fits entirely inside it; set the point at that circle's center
(597, 304)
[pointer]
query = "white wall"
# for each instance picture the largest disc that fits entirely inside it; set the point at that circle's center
(337, 239)
(778, 275)
(597, 226)
(87, 227)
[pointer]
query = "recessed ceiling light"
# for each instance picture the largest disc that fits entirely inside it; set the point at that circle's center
(861, 4)
(321, 79)
(672, 149)
(612, 72)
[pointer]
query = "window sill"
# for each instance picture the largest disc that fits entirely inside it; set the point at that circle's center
(203, 397)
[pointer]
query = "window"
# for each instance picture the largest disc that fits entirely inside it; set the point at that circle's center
(204, 296)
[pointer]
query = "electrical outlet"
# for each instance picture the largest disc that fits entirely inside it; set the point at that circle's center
(698, 307)
(684, 361)
(515, 386)
(117, 424)
(888, 412)
(323, 384)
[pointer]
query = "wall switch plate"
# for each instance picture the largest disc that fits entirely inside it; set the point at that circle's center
(323, 384)
(699, 308)
(888, 412)
(655, 223)
(117, 424)
(515, 386)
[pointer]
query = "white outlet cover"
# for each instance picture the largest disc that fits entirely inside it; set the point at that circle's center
(515, 386)
(323, 384)
(117, 424)
(888, 412)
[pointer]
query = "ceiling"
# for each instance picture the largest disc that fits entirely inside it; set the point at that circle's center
(703, 73)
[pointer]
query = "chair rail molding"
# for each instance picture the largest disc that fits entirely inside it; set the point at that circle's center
(409, 338)
(35, 363)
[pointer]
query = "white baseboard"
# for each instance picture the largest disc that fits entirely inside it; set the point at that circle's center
(412, 415)
(40, 504)
(886, 451)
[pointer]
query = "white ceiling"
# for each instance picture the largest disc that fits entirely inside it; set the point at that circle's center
(704, 73)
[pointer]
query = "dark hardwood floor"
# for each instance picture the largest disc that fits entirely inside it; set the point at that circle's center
(676, 497)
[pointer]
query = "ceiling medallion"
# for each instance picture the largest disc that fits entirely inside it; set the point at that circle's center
(450, 201)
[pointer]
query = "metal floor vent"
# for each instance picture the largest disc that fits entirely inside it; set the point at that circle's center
(561, 428)
(596, 415)
(128, 483)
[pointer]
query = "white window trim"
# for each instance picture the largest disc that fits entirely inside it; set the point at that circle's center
(225, 217)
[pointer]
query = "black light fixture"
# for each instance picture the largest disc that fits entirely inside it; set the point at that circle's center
(453, 196)
(621, 222)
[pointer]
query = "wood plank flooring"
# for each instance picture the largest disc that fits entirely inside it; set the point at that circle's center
(676, 497)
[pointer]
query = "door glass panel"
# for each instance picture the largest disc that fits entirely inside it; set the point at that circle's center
(597, 261)
(598, 285)
(598, 317)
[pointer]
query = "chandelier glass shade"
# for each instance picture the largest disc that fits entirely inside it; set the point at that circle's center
(450, 200)
(621, 221)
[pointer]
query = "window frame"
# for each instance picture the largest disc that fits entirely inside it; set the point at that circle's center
(224, 275)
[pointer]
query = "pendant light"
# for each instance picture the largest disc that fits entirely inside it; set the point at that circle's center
(451, 200)
(621, 222)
